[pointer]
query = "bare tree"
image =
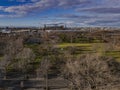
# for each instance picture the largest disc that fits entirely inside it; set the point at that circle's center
(45, 63)
(11, 49)
(25, 57)
(4, 63)
(88, 72)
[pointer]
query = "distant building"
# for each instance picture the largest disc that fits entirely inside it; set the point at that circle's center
(59, 26)
(6, 31)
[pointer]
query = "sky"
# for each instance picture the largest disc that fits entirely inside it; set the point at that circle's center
(70, 12)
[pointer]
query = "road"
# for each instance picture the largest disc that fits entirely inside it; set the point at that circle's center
(52, 83)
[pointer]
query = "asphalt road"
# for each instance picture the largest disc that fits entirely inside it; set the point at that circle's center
(54, 83)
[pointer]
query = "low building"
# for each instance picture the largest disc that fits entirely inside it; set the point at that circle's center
(6, 31)
(59, 26)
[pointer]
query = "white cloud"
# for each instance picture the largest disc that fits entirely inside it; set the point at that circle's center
(18, 0)
(89, 18)
(39, 5)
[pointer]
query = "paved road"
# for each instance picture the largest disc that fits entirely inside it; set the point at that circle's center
(34, 83)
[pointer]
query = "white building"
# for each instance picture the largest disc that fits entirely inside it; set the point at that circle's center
(5, 31)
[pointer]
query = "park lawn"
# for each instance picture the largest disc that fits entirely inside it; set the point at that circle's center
(83, 48)
(115, 54)
(118, 59)
(94, 47)
(1, 57)
(64, 45)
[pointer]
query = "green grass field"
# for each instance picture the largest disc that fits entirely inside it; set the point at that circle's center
(64, 45)
(82, 48)
(92, 48)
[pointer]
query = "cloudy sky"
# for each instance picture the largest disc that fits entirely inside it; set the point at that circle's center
(70, 12)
